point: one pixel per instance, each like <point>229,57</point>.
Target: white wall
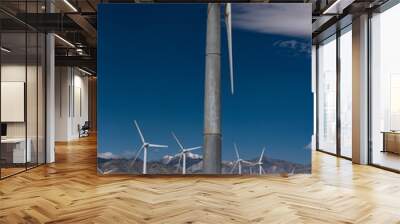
<point>17,73</point>
<point>80,84</point>
<point>71,87</point>
<point>62,81</point>
<point>14,73</point>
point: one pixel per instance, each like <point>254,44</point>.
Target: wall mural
<point>204,89</point>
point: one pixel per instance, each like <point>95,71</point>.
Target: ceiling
<point>75,21</point>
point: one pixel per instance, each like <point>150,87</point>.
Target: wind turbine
<point>292,172</point>
<point>260,163</point>
<point>182,153</point>
<point>145,146</point>
<point>212,96</point>
<point>238,161</point>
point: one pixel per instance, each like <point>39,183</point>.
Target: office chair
<point>84,130</point>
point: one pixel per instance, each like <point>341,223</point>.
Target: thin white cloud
<point>282,19</point>
<point>126,154</point>
<point>294,45</point>
<point>107,155</point>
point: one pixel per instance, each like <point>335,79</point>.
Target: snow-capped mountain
<point>167,159</point>
<point>171,159</point>
<point>193,156</point>
<point>194,165</point>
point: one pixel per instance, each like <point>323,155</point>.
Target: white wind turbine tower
<point>182,153</point>
<point>260,163</point>
<point>145,146</point>
<point>238,161</point>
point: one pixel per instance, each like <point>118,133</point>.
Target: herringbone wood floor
<point>70,191</point>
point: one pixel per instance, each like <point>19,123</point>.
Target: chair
<point>84,129</point>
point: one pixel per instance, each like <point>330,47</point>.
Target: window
<point>346,92</point>
<point>22,88</point>
<point>327,95</point>
<point>385,89</point>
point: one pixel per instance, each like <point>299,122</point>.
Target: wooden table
<point>391,141</point>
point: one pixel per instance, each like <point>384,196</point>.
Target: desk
<point>391,141</point>
<point>13,150</point>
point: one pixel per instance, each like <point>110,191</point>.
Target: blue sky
<point>151,61</point>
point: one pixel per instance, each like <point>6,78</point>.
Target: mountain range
<point>194,163</point>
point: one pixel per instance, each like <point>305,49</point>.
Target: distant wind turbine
<point>239,161</point>
<point>260,163</point>
<point>182,153</point>
<point>292,172</point>
<point>145,146</point>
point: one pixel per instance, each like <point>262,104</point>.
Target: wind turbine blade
<point>228,24</point>
<point>234,166</point>
<point>262,155</point>
<point>191,149</point>
<point>262,168</point>
<point>137,154</point>
<point>177,140</point>
<point>140,133</point>
<point>236,150</point>
<point>158,146</point>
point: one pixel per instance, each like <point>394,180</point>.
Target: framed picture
<point>204,89</point>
